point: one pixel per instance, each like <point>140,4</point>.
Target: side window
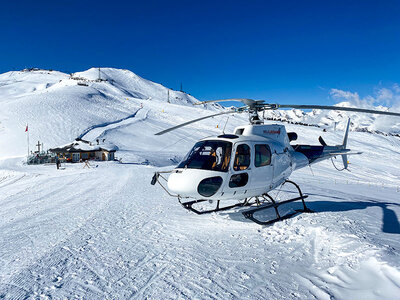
<point>242,157</point>
<point>238,180</point>
<point>262,155</point>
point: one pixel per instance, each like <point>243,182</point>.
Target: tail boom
<point>322,152</point>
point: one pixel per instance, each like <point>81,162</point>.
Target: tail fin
<point>344,145</point>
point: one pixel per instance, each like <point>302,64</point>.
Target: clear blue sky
<point>284,51</point>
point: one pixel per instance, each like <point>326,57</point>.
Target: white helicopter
<point>249,163</point>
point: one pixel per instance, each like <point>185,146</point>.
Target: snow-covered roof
<point>82,145</point>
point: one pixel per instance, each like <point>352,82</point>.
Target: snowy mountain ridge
<point>337,119</point>
<point>59,107</point>
<point>122,84</point>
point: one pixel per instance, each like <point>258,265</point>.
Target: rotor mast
<point>254,107</point>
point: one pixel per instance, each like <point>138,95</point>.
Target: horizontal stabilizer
<point>344,153</point>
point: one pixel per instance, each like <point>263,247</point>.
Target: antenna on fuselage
<point>223,130</point>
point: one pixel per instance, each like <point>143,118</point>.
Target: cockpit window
<point>262,155</point>
<point>242,157</point>
<point>208,155</point>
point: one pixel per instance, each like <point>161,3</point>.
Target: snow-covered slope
<point>106,233</point>
<point>58,107</point>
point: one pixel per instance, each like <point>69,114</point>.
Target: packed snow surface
<point>106,233</point>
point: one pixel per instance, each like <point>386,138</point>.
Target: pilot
<point>242,157</point>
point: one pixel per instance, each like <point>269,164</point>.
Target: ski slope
<point>106,233</point>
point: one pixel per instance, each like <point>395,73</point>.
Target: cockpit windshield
<point>208,155</point>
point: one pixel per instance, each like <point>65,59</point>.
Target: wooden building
<point>81,150</point>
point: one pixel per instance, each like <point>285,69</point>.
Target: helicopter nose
<point>194,183</point>
<point>183,183</point>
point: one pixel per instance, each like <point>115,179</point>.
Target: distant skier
<point>58,162</point>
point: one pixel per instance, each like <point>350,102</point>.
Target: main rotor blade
<point>370,111</point>
<point>248,102</point>
<point>196,120</point>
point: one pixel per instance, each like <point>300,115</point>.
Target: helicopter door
<point>241,164</point>
<point>282,165</point>
<point>263,171</point>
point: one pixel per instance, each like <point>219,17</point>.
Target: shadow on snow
<point>390,222</point>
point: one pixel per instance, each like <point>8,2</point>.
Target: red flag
<point>26,129</point>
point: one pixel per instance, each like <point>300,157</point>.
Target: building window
<point>262,155</point>
<point>242,157</point>
<point>84,155</point>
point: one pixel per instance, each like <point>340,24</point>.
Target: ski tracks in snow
<point>103,234</point>
<point>55,254</point>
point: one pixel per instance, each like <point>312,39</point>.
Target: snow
<point>89,146</point>
<point>105,232</point>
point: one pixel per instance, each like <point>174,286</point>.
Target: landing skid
<point>263,203</point>
<point>249,214</point>
<point>189,206</point>
<point>261,206</point>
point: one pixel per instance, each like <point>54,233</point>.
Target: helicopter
<point>249,163</point>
